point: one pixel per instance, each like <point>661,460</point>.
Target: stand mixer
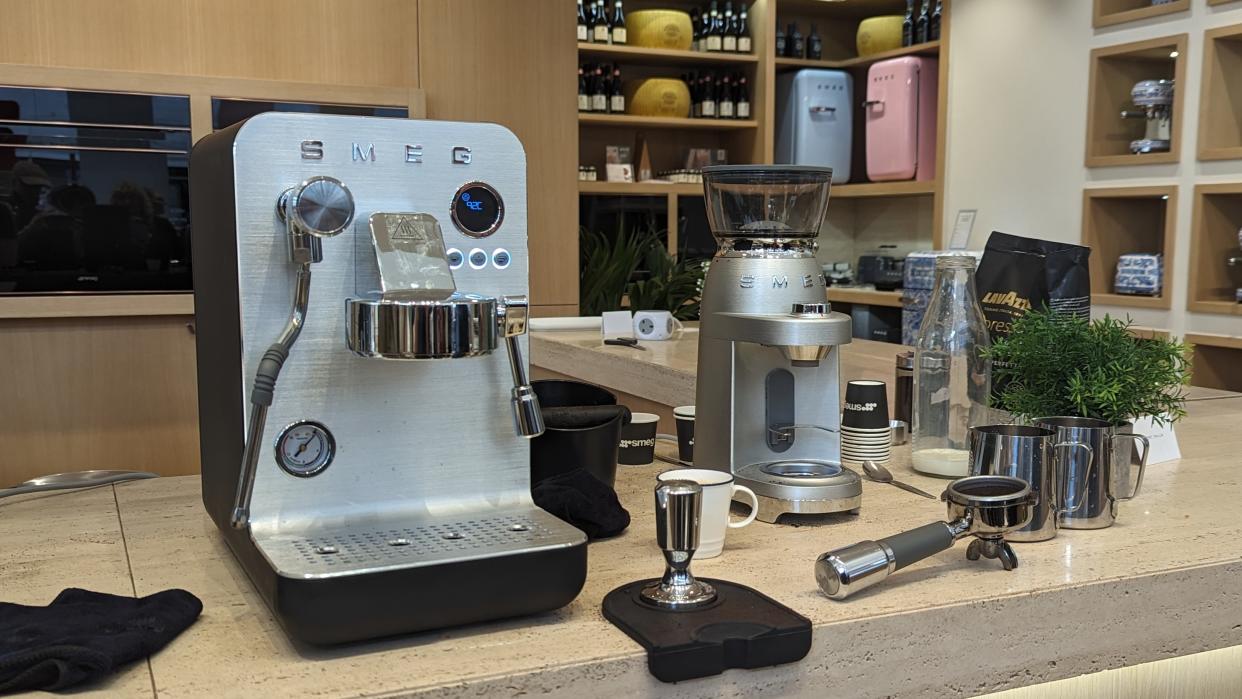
<point>1154,99</point>
<point>768,391</point>
<point>383,486</point>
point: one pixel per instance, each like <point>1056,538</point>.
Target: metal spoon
<point>879,474</point>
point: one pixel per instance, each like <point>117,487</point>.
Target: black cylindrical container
<point>904,387</point>
<point>581,431</point>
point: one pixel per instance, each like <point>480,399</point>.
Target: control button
<point>478,259</point>
<point>501,258</point>
<point>455,258</point>
<point>477,210</point>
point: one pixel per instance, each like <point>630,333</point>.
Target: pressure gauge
<point>305,448</point>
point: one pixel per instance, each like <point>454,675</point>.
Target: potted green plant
<point>633,269</point>
<point>1053,364</point>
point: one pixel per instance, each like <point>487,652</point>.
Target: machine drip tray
<point>801,469</point>
<point>351,550</point>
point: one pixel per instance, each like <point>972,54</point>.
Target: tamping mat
<point>742,628</point>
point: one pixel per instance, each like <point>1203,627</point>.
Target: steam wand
<point>318,208</point>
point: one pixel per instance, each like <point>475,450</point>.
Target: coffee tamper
<point>678,505</point>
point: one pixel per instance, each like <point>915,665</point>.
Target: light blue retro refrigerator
<point>815,119</point>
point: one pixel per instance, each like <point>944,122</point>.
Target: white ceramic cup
<point>718,490</point>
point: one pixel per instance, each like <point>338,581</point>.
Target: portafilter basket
<point>985,507</point>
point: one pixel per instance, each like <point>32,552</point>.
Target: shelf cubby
<point>1213,238</point>
<point>1220,109</point>
<point>1109,12</point>
<point>1116,221</point>
<point>930,48</point>
<point>1217,361</point>
<point>1114,71</point>
<point>837,22</point>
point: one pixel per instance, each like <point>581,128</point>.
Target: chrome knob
<point>321,206</point>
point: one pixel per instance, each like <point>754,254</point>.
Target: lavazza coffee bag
<point>1018,274</point>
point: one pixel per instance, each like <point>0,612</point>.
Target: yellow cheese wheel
<point>664,97</point>
<point>659,29</point>
<point>879,34</point>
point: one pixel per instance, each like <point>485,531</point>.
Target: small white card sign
<point>961,229</point>
<point>1162,439</point>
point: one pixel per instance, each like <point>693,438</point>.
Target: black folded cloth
<point>83,636</point>
<point>584,501</point>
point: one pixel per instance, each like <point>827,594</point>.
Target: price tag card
<point>1162,438</point>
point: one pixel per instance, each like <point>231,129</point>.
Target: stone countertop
<point>1162,582</point>
<point>664,372</point>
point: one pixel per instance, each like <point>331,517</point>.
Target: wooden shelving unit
<point>1217,361</point>
<point>1220,2</point>
<point>1116,221</point>
<point>871,297</point>
<point>1220,105</point>
<point>865,213</point>
<point>1213,238</point>
<point>930,48</point>
<point>589,119</point>
<point>637,55</point>
<point>1114,71</point>
<point>1106,13</point>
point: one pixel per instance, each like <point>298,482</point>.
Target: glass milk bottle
<point>952,377</point>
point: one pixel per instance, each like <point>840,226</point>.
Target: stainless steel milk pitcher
<point>1094,487</point>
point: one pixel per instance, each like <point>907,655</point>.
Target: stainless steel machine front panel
<point>415,439</point>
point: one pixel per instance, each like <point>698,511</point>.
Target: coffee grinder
<point>383,485</point>
<point>768,399</point>
<point>1154,100</point>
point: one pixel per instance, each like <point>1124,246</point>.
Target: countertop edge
<point>1176,603</point>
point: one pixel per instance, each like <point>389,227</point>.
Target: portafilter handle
<point>844,571</point>
<point>512,315</point>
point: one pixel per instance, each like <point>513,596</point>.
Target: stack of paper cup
<point>865,432</point>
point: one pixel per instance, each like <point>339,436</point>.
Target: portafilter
<point>985,507</point>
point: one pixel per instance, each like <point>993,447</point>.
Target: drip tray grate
<point>350,550</point>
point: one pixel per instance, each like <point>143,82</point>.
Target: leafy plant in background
<point>1062,365</point>
<point>610,271</point>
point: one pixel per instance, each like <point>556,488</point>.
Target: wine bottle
<point>618,24</point>
<point>742,100</point>
<point>713,28</point>
<point>696,30</point>
<point>582,22</point>
<point>907,25</point>
<point>709,97</point>
<point>743,32</point>
<point>814,45</point>
<point>599,91</point>
<point>584,100</point>
<point>728,39</point>
<point>692,82</point>
<point>616,97</point>
<point>724,98</point>
<point>782,43</point>
<point>599,23</point>
<point>933,27</point>
<point>796,44</point>
<point>920,25</point>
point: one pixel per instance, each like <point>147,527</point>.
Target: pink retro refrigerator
<point>900,112</point>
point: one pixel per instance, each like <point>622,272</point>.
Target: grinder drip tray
<point>801,486</point>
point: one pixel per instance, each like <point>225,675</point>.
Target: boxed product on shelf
<point>1140,274</point>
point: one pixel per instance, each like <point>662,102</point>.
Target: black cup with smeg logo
<point>866,405</point>
<point>638,440</point>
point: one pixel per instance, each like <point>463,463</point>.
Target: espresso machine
<point>379,268</point>
<point>768,399</point>
<point>1154,102</point>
